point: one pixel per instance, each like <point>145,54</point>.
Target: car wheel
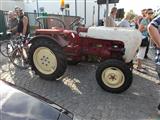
<point>47,59</point>
<point>114,76</point>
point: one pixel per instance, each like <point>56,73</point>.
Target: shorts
<point>141,53</point>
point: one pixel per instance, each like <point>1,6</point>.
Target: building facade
<point>9,5</point>
<point>53,7</point>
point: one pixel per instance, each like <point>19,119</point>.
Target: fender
<point>60,41</point>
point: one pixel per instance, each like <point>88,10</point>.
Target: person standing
<point>136,21</point>
<point>143,29</point>
<point>144,13</point>
<point>12,22</point>
<point>23,23</point>
<point>109,21</point>
<point>154,31</point>
<point>125,21</point>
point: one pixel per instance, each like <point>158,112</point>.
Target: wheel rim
<point>113,77</point>
<point>45,60</point>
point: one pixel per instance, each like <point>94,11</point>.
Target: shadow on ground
<point>79,92</point>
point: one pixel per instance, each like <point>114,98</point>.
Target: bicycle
<point>16,50</point>
<point>19,56</point>
<point>8,45</point>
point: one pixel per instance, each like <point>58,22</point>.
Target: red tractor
<point>112,48</point>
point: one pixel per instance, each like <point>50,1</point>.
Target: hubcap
<point>113,77</point>
<point>45,60</point>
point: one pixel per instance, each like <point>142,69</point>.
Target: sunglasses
<point>150,13</point>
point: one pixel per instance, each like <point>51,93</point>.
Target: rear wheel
<point>47,59</point>
<point>19,58</point>
<point>114,76</point>
<point>6,48</point>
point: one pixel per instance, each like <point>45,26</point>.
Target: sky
<point>138,5</point>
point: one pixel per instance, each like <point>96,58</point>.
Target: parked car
<point>20,104</point>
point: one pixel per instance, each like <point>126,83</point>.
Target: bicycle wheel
<point>6,48</point>
<point>19,58</point>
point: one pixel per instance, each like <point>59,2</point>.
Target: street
<point>79,92</point>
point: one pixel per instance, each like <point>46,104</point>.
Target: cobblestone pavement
<point>79,92</point>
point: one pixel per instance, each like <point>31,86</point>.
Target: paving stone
<point>79,92</point>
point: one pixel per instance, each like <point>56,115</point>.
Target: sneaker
<point>146,57</point>
<point>142,70</point>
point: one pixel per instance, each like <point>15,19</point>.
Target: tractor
<point>56,45</point>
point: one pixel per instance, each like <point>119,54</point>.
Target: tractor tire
<point>114,76</point>
<point>47,59</point>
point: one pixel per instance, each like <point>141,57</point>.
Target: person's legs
<point>139,63</point>
<point>159,109</point>
<point>158,69</point>
<point>159,103</point>
<point>157,60</point>
<point>147,49</point>
<point>140,57</point>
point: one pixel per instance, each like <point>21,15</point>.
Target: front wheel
<point>114,76</point>
<point>47,59</point>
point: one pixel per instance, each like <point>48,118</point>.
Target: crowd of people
<point>149,26</point>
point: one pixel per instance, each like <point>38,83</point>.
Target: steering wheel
<point>76,22</point>
<point>43,19</point>
<point>60,23</point>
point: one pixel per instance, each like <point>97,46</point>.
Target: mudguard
<point>60,41</point>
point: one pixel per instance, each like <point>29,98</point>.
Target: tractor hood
<point>130,37</point>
